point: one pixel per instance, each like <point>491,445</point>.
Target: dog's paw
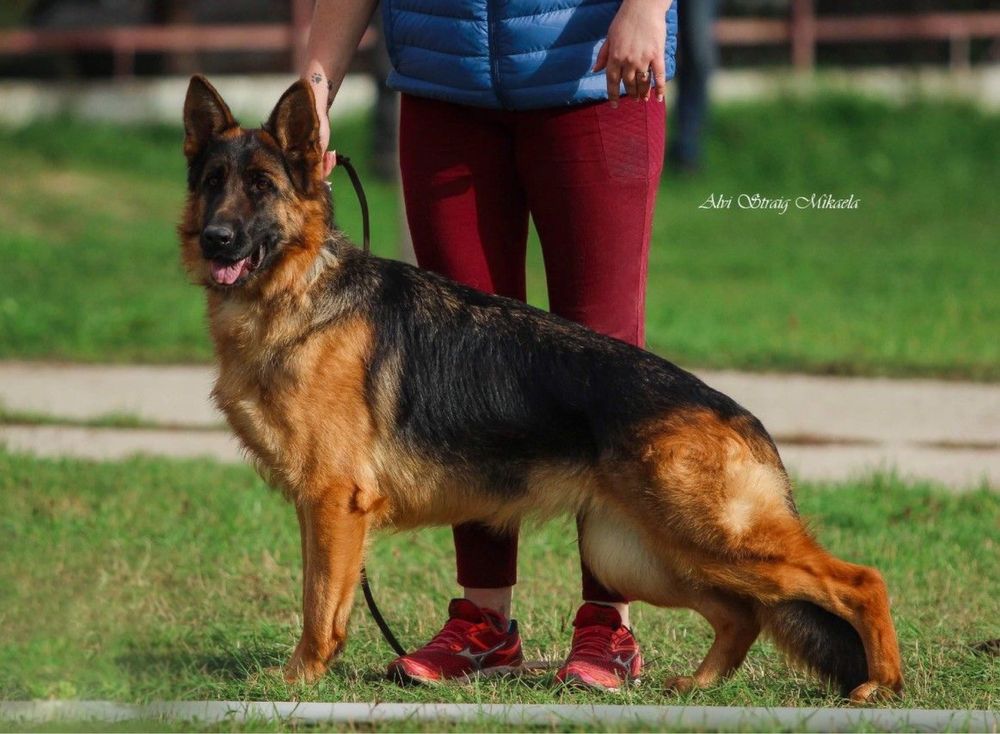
<point>874,692</point>
<point>301,670</point>
<point>680,684</point>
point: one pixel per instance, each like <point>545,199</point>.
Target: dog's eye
<point>213,181</point>
<point>262,183</point>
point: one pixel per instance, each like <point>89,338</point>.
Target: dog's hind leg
<point>831,615</point>
<point>736,627</point>
<point>717,507</point>
<point>334,533</point>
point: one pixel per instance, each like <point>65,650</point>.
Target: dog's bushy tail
<point>819,641</point>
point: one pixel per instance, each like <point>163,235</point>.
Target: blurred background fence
<point>122,38</point>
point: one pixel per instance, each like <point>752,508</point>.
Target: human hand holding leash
<point>322,88</point>
<point>336,29</point>
<point>633,49</point>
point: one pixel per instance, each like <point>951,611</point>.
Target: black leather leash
<point>366,589</point>
<point>383,626</point>
<point>366,230</point>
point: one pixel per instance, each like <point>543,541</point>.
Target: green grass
<point>905,285</point>
<point>155,579</point>
<point>9,417</point>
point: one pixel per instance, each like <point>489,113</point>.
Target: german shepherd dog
<point>374,394</point>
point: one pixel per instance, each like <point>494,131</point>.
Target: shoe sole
<point>575,681</point>
<point>401,677</point>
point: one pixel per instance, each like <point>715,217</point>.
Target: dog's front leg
<point>333,541</point>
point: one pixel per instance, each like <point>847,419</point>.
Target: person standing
<point>698,58</point>
<point>510,109</point>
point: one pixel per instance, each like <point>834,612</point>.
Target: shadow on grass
<point>541,680</point>
<point>183,663</point>
<point>255,668</point>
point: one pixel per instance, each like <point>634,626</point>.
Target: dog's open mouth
<point>229,273</point>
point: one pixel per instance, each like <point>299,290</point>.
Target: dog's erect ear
<point>206,115</point>
<point>295,126</point>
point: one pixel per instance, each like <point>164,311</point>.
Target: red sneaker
<point>605,654</point>
<point>474,641</point>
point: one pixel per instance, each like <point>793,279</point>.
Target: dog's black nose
<point>218,235</point>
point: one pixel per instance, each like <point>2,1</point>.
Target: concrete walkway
<point>679,718</point>
<point>828,428</point>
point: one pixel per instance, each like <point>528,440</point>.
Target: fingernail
<point>659,98</point>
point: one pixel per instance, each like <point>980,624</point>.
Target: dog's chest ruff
<point>296,404</point>
<point>248,405</point>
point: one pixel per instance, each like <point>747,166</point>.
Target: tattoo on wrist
<point>317,78</point>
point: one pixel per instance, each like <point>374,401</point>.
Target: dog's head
<point>255,197</point>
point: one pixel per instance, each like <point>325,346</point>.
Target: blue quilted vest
<point>509,54</point>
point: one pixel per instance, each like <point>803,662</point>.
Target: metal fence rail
<point>124,42</point>
<point>803,30</point>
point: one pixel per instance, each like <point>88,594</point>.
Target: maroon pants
<point>588,176</point>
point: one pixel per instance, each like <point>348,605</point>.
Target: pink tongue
<point>228,273</point>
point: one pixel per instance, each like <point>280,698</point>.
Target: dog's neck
<point>276,312</point>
